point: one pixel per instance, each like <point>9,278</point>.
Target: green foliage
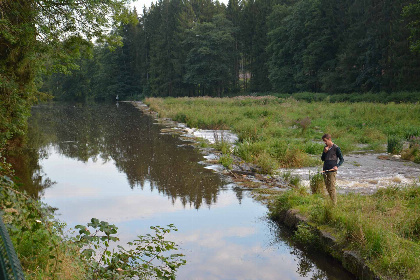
<point>226,160</point>
<point>316,183</point>
<point>147,257</point>
<point>383,227</point>
<point>313,148</point>
<point>267,163</point>
<point>273,133</point>
<point>37,236</point>
<point>412,13</point>
<point>306,236</point>
<point>45,37</point>
<point>413,151</point>
<point>395,144</point>
<point>295,181</point>
<point>195,48</point>
<point>342,48</point>
<point>45,253</point>
<point>210,58</point>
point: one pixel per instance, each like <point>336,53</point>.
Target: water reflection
<point>113,163</point>
<point>121,134</point>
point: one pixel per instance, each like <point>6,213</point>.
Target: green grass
<point>285,132</point>
<point>384,227</point>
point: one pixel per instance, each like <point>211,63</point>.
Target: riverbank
<point>365,244</point>
<point>282,133</point>
<point>284,152</point>
<point>375,236</point>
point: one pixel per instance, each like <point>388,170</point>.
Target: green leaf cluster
<point>147,257</point>
<point>42,37</point>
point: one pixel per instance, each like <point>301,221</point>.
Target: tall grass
<point>287,130</point>
<point>384,227</point>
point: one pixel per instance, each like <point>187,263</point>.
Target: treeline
<point>201,47</point>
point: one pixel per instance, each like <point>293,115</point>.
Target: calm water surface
<point>111,162</point>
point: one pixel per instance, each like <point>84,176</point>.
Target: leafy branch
<point>147,257</point>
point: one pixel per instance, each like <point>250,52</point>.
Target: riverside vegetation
<point>277,132</point>
<point>385,227</point>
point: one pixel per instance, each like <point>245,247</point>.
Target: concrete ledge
<point>350,260</point>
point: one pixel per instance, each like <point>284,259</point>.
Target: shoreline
<point>267,187</point>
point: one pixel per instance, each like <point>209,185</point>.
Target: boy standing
<point>330,156</point>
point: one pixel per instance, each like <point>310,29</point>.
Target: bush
<point>395,144</point>
<point>413,152</point>
<point>306,236</point>
<point>310,96</point>
<point>147,257</point>
<point>313,148</point>
<point>266,162</point>
<point>226,160</point>
<point>316,183</point>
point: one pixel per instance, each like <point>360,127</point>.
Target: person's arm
<point>340,156</point>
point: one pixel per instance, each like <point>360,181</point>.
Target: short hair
<point>326,136</point>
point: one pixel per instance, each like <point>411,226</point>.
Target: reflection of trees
<point>131,139</point>
<point>25,161</point>
<point>311,262</point>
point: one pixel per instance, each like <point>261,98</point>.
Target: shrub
<point>146,257</point>
<point>395,144</point>
<point>413,152</point>
<point>306,236</point>
<point>310,96</point>
<point>313,148</point>
<point>266,162</point>
<point>226,160</point>
<point>295,181</point>
<point>316,183</point>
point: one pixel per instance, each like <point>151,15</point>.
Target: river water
<point>113,163</point>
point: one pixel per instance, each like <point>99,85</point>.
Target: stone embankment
<point>350,260</point>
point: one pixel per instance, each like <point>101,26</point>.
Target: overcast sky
<point>140,3</point>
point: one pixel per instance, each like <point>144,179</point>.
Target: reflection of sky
<point>228,240</point>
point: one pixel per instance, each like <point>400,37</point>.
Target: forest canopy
<point>202,47</point>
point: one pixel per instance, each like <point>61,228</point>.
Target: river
<point>113,163</point>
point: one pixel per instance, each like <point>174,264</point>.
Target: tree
<point>45,35</point>
<point>412,13</point>
<point>209,64</point>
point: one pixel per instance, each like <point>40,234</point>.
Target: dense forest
<point>202,47</point>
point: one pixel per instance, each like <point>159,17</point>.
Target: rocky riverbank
<point>362,172</point>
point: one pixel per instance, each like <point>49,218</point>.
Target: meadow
<point>284,132</point>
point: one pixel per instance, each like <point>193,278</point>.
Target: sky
<point>140,3</point>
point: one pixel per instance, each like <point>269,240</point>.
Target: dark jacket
<point>331,157</point>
